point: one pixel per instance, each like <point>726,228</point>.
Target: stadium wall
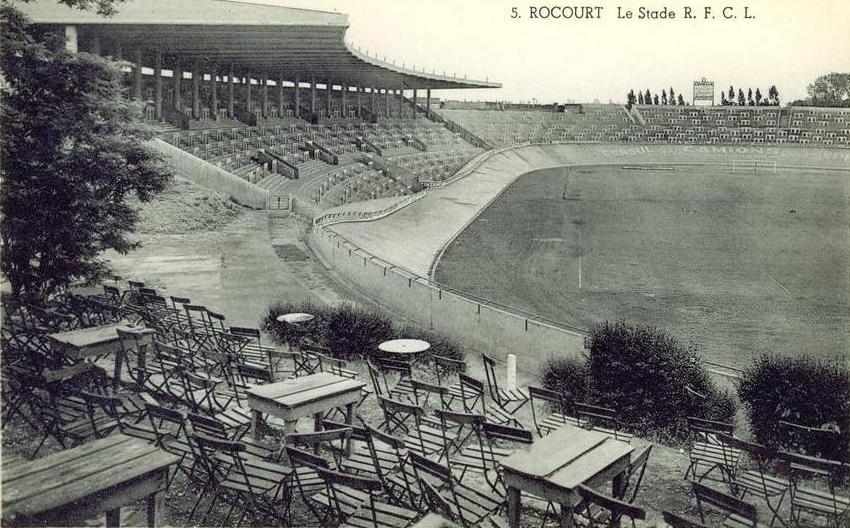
<point>208,175</point>
<point>475,323</point>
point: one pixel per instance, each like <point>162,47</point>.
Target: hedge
<point>350,332</point>
<point>644,375</point>
<point>802,390</point>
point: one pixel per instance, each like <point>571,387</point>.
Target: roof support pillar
<point>249,103</point>
<point>265,96</point>
<point>280,97</point>
<point>414,103</point>
<point>157,85</point>
<point>359,92</point>
<point>372,103</point>
<point>330,89</point>
<point>344,107</point>
<point>231,87</point>
<point>387,97</point>
<point>428,103</point>
<point>177,98</point>
<point>196,91</point>
<point>400,103</point>
<point>214,92</point>
<point>72,41</point>
<point>137,76</point>
<point>297,97</point>
<point>313,95</point>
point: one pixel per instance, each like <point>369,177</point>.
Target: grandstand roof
<point>255,38</point>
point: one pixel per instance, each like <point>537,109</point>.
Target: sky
<point>788,43</point>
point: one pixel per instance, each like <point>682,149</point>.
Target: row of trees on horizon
<point>752,98</point>
<point>647,98</point>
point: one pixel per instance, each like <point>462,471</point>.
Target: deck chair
<point>251,485</point>
<point>371,512</point>
<point>822,501</point>
<point>509,400</point>
<point>737,513</point>
<point>707,453</point>
<point>466,505</point>
<point>549,410</point>
<point>758,479</point>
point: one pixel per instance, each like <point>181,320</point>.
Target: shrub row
<point>801,390</point>
<point>350,332</point>
<point>644,375</point>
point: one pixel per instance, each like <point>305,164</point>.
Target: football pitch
<point>736,264</point>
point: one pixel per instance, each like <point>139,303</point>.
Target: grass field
<point>734,263</point>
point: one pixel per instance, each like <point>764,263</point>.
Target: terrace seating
<point>509,400</point>
<point>813,501</point>
<point>738,513</point>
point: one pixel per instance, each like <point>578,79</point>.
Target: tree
<point>102,7</point>
<point>630,99</point>
<point>773,95</point>
<point>750,97</point>
<point>731,95</point>
<point>832,89</point>
<point>664,97</point>
<point>72,153</point>
<point>672,96</point>
<point>741,100</point>
<point>640,98</point>
<point>655,99</point>
<point>758,97</point>
<point>647,97</point>
<point>681,100</point>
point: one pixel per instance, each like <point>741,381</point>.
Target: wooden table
<point>95,341</point>
<point>65,488</point>
<point>305,396</point>
<point>567,457</point>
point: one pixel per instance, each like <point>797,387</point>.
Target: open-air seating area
<point>289,434</point>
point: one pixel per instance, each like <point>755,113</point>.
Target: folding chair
<point>602,510</point>
<point>251,485</point>
<point>557,407</point>
<point>822,502</point>
<point>408,418</point>
<point>737,513</point>
<point>216,428</point>
<point>446,369</point>
<point>466,505</point>
<point>814,441</point>
<point>170,434</point>
<point>311,487</point>
<point>473,393</point>
<point>485,455</point>
<point>121,416</point>
<point>707,452</point>
<point>370,512</point>
<point>677,521</point>
<point>602,419</point>
<point>323,442</point>
<point>635,473</point>
<point>758,481</point>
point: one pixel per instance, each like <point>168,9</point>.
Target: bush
<point>801,390</point>
<point>567,376</point>
<point>644,375</point>
<point>350,332</point>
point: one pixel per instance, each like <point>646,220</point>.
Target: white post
<point>511,377</point>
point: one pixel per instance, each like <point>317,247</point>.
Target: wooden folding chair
<point>419,437</point>
<point>707,453</point>
<point>758,480</point>
<point>737,513</point>
<point>815,441</point>
<point>465,504</point>
<point>821,501</point>
<point>371,512</point>
<point>447,370</point>
<point>473,394</point>
<point>549,410</point>
<point>485,455</point>
<point>602,510</point>
<point>602,419</point>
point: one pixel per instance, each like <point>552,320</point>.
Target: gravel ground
<point>184,207</point>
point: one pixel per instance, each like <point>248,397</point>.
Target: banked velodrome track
<point>409,242</point>
<point>415,236</point>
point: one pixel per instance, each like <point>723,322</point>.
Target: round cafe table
<point>404,349</point>
<point>297,320</point>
